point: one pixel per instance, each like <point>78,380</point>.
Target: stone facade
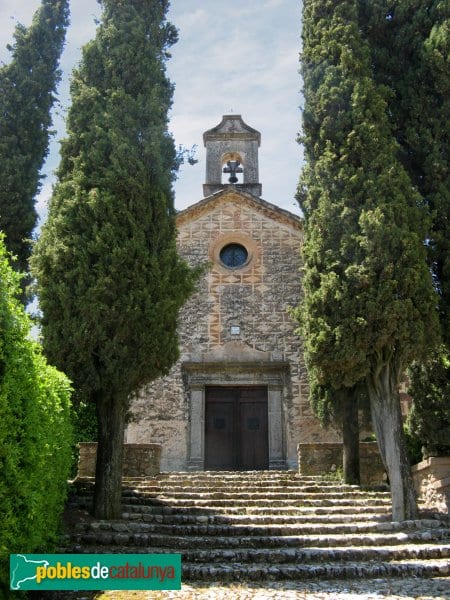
<point>236,330</point>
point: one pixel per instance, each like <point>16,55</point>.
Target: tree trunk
<point>388,425</point>
<point>350,437</point>
<point>108,472</point>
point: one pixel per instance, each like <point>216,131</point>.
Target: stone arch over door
<point>199,375</point>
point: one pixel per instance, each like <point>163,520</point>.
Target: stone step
<point>249,489</point>
<point>147,515</point>
<point>145,506</point>
<point>244,558</point>
<point>242,496</point>
<point>318,554</point>
<point>231,480</point>
<point>227,572</point>
<point>256,542</point>
<point>259,475</point>
<point>225,478</point>
<point>257,485</point>
<point>261,491</point>
<point>246,503</point>
<point>265,525</point>
<point>347,510</point>
<point>426,527</point>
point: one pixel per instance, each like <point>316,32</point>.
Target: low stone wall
<point>139,460</point>
<point>432,482</point>
<point>319,459</point>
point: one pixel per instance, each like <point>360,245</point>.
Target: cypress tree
<point>410,53</point>
<point>27,94</point>
<point>369,302</point>
<point>410,49</point>
<point>110,279</point>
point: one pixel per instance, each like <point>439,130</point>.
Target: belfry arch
<point>233,167</point>
<point>227,142</point>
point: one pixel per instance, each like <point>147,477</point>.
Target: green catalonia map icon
<point>23,569</point>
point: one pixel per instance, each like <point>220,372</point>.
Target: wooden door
<point>236,432</point>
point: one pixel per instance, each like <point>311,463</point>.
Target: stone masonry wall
<point>432,482</point>
<point>323,458</point>
<point>139,460</point>
<point>255,298</point>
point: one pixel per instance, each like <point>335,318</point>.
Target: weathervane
<point>233,168</point>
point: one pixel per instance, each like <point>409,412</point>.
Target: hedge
<point>35,433</point>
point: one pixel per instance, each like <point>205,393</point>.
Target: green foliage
<point>410,53</point>
<point>368,294</point>
<point>35,431</point>
<point>111,282</point>
<point>413,447</point>
<point>328,403</point>
<point>369,302</point>
<point>27,87</point>
<point>429,420</point>
<point>84,420</point>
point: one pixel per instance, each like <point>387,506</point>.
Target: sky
<point>239,58</point>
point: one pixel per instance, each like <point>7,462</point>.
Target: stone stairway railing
<point>267,525</point>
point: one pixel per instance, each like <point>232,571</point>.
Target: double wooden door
<point>236,434</point>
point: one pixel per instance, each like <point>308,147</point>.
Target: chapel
<point>237,398</point>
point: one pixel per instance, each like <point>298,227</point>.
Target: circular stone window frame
<point>233,238</point>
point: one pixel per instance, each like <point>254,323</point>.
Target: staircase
<point>268,525</point>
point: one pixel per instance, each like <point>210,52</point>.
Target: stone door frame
<point>197,376</point>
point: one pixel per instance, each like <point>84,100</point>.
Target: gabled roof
<point>239,196</point>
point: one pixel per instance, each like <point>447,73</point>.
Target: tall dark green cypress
<point>410,52</point>
<point>368,309</point>
<point>110,279</point>
<point>27,93</point>
<point>410,49</point>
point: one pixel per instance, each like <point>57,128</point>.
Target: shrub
<point>35,431</point>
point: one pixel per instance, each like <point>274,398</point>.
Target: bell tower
<point>232,156</point>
